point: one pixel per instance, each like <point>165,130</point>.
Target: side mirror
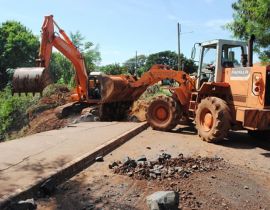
<point>193,52</point>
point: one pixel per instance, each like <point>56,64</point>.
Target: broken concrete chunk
<point>114,164</point>
<point>129,162</point>
<point>142,158</point>
<point>164,156</point>
<point>163,200</point>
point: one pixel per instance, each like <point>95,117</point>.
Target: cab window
<point>231,56</point>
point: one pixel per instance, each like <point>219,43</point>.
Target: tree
<point>18,48</point>
<point>90,52</point>
<point>113,69</point>
<point>171,59</point>
<point>62,69</point>
<point>132,65</point>
<point>252,17</point>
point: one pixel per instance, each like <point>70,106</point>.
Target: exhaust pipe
<point>250,50</point>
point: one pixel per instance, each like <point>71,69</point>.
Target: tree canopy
<point>171,59</point>
<point>131,64</point>
<point>252,17</point>
<point>144,63</point>
<point>62,69</point>
<point>113,69</point>
<point>18,48</point>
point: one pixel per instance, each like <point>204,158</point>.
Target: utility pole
<point>179,32</point>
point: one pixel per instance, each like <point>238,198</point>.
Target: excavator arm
<point>36,79</point>
<point>160,72</point>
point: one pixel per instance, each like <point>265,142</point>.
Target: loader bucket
<point>118,89</point>
<point>30,80</point>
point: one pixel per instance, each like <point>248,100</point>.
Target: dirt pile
<point>165,167</point>
<point>54,95</point>
<point>138,110</point>
<point>42,116</point>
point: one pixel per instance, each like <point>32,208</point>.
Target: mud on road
<point>240,181</point>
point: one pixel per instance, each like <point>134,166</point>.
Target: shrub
<point>13,114</point>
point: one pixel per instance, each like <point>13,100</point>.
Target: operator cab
<point>94,91</point>
<point>216,55</point>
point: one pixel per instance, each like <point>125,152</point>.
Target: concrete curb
<point>72,168</point>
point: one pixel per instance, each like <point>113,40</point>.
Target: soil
<point>139,110</point>
<point>238,179</point>
<point>42,115</point>
<point>229,187</point>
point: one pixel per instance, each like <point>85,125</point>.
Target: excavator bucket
<point>118,89</point>
<point>30,80</point>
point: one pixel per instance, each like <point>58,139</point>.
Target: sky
<point>122,27</point>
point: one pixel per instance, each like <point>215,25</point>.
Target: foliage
<point>171,59</point>
<point>132,65</point>
<point>61,68</point>
<point>13,111</point>
<point>144,63</point>
<point>113,69</point>
<point>90,52</point>
<point>252,17</point>
<point>18,48</point>
<point>153,91</point>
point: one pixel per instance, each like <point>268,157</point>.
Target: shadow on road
<point>240,140</point>
<point>235,139</point>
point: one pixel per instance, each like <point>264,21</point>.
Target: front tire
<point>163,113</point>
<point>213,119</point>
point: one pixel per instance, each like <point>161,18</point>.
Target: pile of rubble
<point>165,167</point>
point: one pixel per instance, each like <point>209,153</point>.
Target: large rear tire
<point>213,119</point>
<point>163,113</point>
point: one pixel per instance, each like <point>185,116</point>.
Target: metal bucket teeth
<point>30,80</point>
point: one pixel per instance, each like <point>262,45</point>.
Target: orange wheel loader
<point>228,92</point>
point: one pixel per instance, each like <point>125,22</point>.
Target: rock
<point>48,187</point>
<point>129,162</point>
<point>163,200</point>
<point>94,112</point>
<point>178,169</point>
<point>99,159</point>
<point>195,167</point>
<point>28,204</point>
<point>114,164</point>
<point>133,118</point>
<point>164,156</point>
<point>126,160</point>
<point>142,158</point>
<point>246,187</point>
<point>130,173</point>
<point>148,147</point>
<point>157,172</point>
<point>153,175</point>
